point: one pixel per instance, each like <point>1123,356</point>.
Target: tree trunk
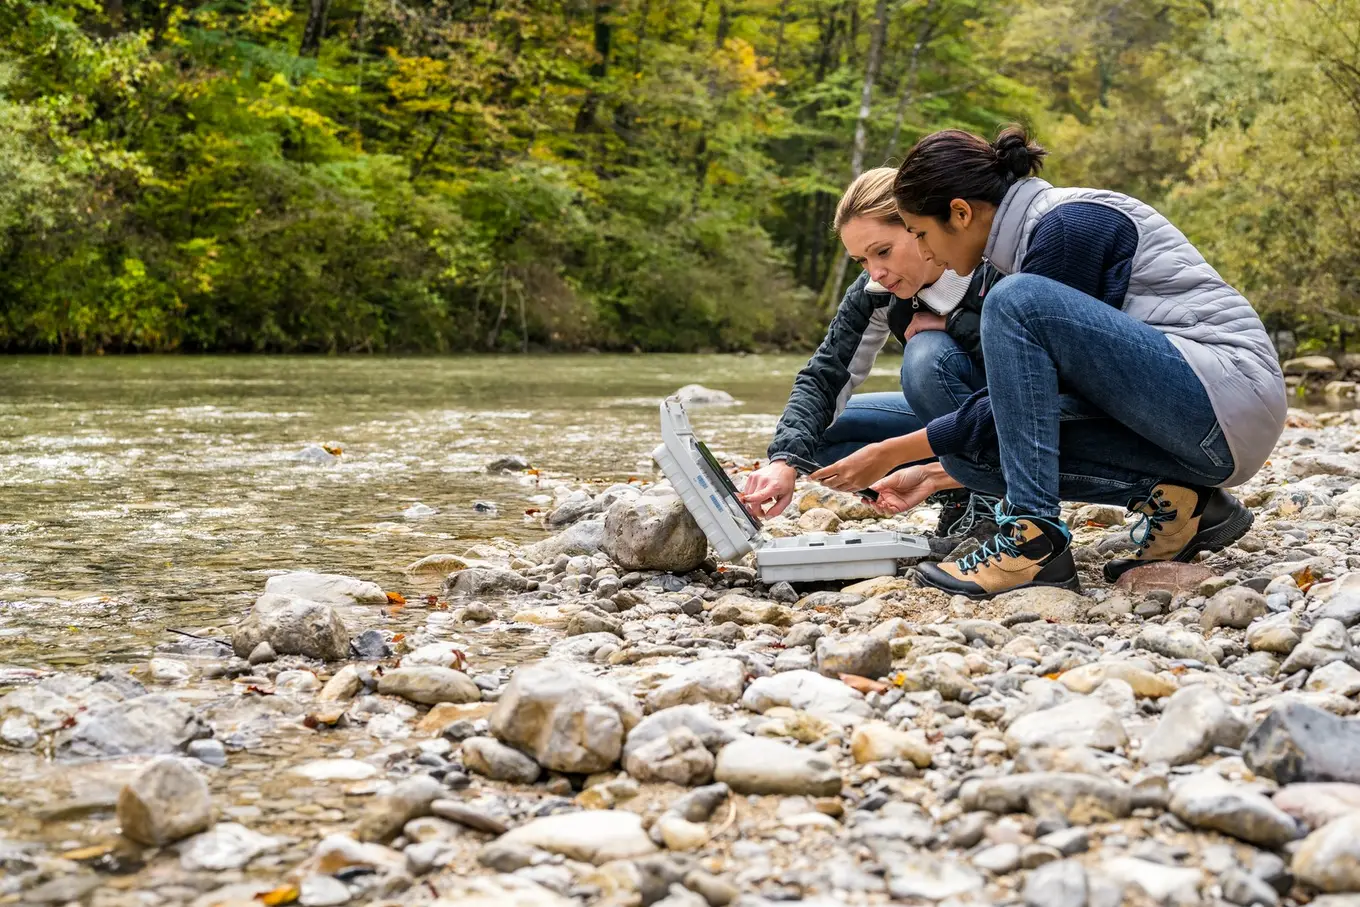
<point>315,29</point>
<point>585,117</point>
<point>724,26</point>
<point>866,97</point>
<point>641,35</point>
<point>779,35</point>
<point>113,12</point>
<point>923,36</point>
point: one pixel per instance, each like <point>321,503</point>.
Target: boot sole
<point>1073,585</point>
<point>1215,538</point>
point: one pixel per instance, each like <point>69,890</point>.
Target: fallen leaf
<point>284,894</point>
<point>396,599</point>
<point>333,451</point>
<point>1053,676</point>
<point>1305,579</point>
<point>398,637</point>
<point>863,684</point>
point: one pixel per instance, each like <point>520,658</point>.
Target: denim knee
<point>921,357</point>
<point>1012,297</point>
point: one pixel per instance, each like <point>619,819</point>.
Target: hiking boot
<point>1025,551</point>
<point>1178,522</point>
<point>965,516</point>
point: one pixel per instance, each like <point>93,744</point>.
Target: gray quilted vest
<point>1173,288</point>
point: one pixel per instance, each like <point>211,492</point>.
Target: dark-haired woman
<point>1121,368</point>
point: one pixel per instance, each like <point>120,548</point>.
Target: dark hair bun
<point>1016,155</point>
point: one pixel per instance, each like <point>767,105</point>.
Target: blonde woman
<point>936,315</point>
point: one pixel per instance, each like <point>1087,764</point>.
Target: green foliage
<point>655,174</point>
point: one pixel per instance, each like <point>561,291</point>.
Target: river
<point>142,494</point>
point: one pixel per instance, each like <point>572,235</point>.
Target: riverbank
<point>690,740</point>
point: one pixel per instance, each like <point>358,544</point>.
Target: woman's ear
<point>960,213</point>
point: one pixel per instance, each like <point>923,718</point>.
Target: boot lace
<point>1001,545</point>
<point>1154,513</point>
<point>980,507</point>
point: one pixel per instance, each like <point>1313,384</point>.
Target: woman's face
<point>890,254</point>
<point>958,243</point>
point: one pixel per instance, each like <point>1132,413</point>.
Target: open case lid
<point>704,486</point>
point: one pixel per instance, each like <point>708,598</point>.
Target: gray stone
<point>1205,800</point>
<point>1048,602</point>
<point>471,814</point>
<point>577,506</point>
<point>582,648</point>
<point>488,756</point>
<point>1068,841</point>
<point>1241,888</point>
<point>1175,644</point>
<point>593,621</point>
<point>1058,884</point>
<point>756,765</point>
<point>322,891</point>
<point>680,757</point>
<point>698,395</point>
<point>865,656</point>
<point>1277,634</point>
<point>1297,742</point>
<point>1325,643</point>
<point>930,878</point>
<point>1235,607</point>
<point>485,581</point>
<point>1329,858</point>
<point>1193,722</point>
<point>262,654</point>
<point>653,532</point>
<point>999,859</point>
<point>293,626</point>
<point>693,718</point>
<point>1337,677</point>
<point>326,589</point>
<point>584,537</point>
<point>1167,885</point>
<point>1076,798</point>
<point>429,685</point>
<point>386,814</point>
<point>1317,804</point>
<point>699,804</point>
<point>717,680</point>
<point>804,634</point>
<point>568,721</point>
<point>1343,605</point>
<point>145,726</point>
<point>596,836</point>
<point>165,802</point>
<point>1081,721</point>
<point>806,691</point>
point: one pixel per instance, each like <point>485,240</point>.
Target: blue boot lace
<point>1002,545</point>
<point>1153,514</point>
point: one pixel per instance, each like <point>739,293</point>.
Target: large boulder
<point>566,720</point>
<point>653,532</point>
<point>327,588</point>
<point>1297,743</point>
<point>293,626</point>
<point>584,537</point>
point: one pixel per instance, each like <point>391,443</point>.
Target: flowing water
<point>140,494</point>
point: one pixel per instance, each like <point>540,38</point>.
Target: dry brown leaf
<point>396,599</point>
<point>88,853</point>
<point>1305,579</point>
<point>333,451</point>
<point>284,894</point>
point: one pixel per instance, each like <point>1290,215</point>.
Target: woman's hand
<point>770,484</point>
<point>923,321</point>
<point>908,487</point>
<point>859,470</point>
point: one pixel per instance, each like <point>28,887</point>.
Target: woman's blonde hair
<point>870,195</point>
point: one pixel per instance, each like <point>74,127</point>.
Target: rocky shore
<point>609,717</point>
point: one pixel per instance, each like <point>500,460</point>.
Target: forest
<point>505,175</point>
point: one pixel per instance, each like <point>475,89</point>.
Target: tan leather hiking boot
<point>1026,551</point>
<point>1178,522</point>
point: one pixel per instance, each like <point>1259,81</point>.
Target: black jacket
<point>842,361</point>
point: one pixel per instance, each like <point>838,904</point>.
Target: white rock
<point>225,846</point>
<point>568,721</point>
<point>1205,800</point>
<point>922,875</point>
<point>165,802</point>
<point>1082,721</point>
<point>322,891</point>
<point>1168,885</point>
<point>438,654</point>
<point>1193,722</point>
<point>1336,677</point>
<point>596,836</point>
<point>336,770</point>
<point>757,765</point>
<point>293,626</point>
<point>1329,858</point>
<point>327,588</point>
<point>698,395</point>
<point>719,680</point>
<point>169,670</point>
<point>807,691</point>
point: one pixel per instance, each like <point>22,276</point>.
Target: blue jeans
<point>937,376</point>
<point>1090,404</point>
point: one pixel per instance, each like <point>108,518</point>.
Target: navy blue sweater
<point>1085,245</point>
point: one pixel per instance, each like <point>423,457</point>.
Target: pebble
<point>806,691</point>
<point>1329,858</point>
<point>1083,721</point>
<point>429,685</point>
<point>1193,722</point>
<point>322,891</point>
<point>292,626</point>
<point>165,802</point>
<point>1075,798</point>
<point>386,814</point>
<point>1235,607</point>
<point>489,757</point>
<point>679,757</point>
<point>1325,643</point>
<point>1298,742</point>
<point>225,846</point>
<point>864,656</point>
<point>1058,884</point>
<point>594,836</point>
<point>1206,800</point>
<point>1175,644</point>
<point>717,680</point>
<point>877,741</point>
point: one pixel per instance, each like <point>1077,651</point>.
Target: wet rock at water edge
<point>293,626</point>
<point>387,813</point>
<point>165,802</point>
<point>653,532</point>
<point>584,537</point>
<point>225,846</point>
<point>429,685</point>
<point>485,581</point>
<point>756,765</point>
<point>698,395</point>
<point>146,726</point>
<point>568,721</point>
<point>326,588</point>
<point>1298,742</point>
